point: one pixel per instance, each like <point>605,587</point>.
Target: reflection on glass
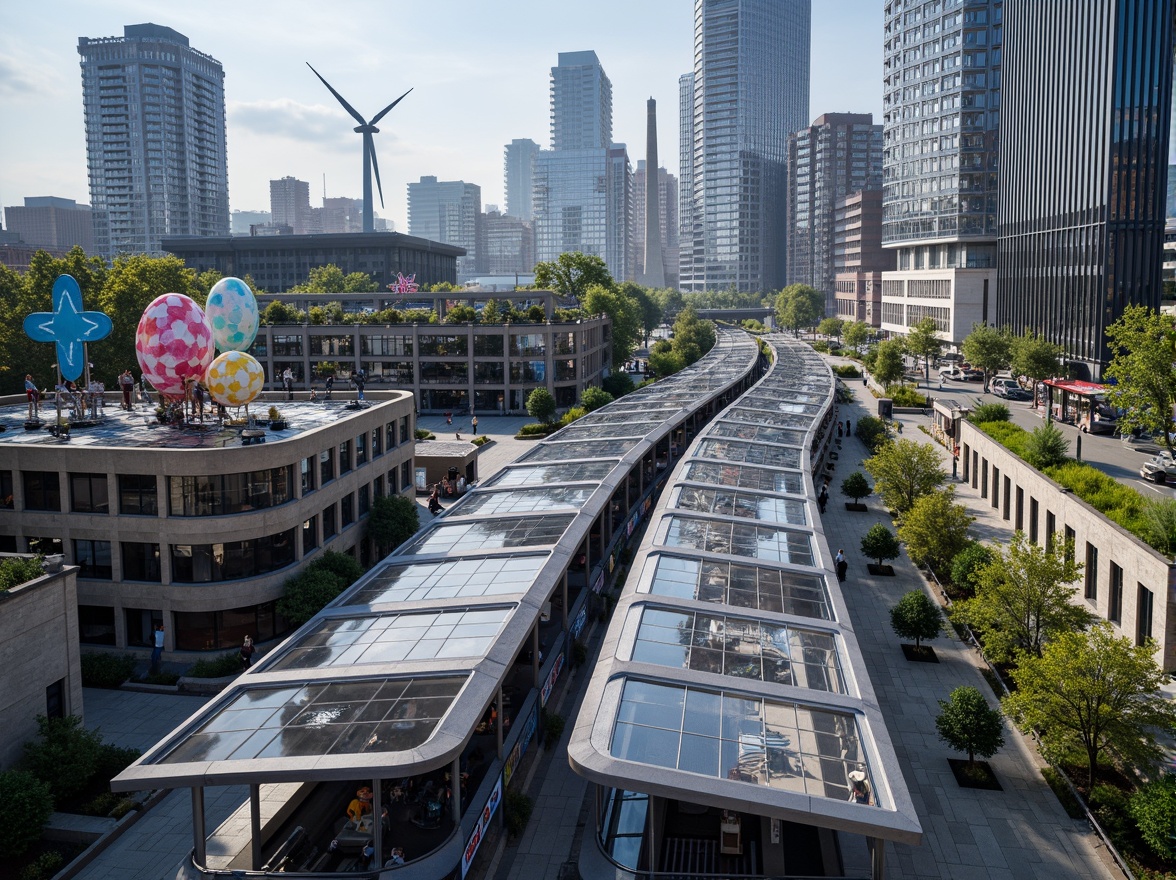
<point>745,477</point>
<point>552,498</point>
<point>465,578</point>
<point>739,539</point>
<point>490,535</point>
<point>742,586</point>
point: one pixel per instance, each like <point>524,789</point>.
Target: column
<point>255,824</point>
<point>198,853</point>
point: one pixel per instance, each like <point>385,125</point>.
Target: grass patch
<point>106,670</point>
<point>217,667</point>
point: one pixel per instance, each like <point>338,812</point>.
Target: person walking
<point>330,385</point>
<point>848,432</point>
<point>841,565</point>
<point>34,397</point>
<point>246,652</point>
<point>288,383</point>
<point>157,649</point>
<point>126,384</point>
<point>823,498</point>
<point>360,379</point>
<point>474,424</point>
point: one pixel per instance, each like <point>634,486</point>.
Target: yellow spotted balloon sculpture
<point>235,378</point>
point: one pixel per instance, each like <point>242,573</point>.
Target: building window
<point>326,466</point>
<point>1069,546</point>
<point>231,560</point>
<point>221,494</point>
<point>329,526</point>
<point>137,495</point>
<point>405,474</point>
<point>347,510</point>
<point>306,466</point>
<point>1032,520</point>
<point>392,441</point>
<point>55,699</point>
<point>377,446</point>
<point>378,487</point>
<point>405,434</point>
<point>212,630</point>
<point>44,546</point>
<point>1091,572</point>
<point>41,490</point>
<point>93,558</point>
<point>287,346</point>
<point>88,493</point>
<point>141,624</point>
<point>392,481</point>
<point>95,625</point>
<point>140,562</point>
<point>309,535</point>
<point>361,455</point>
<point>365,500</point>
<point>1143,614</point>
<point>6,490</point>
<point>1115,600</point>
<point>344,457</point>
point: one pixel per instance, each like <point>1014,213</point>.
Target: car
<point>1159,468</point>
<point>1016,394</point>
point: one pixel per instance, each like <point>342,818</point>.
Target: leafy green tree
<point>935,529</point>
<point>693,337</point>
<point>1037,358</point>
<point>922,341</point>
<point>888,366</point>
<point>967,723</point>
<point>873,432</point>
<point>461,315</point>
<point>594,398</point>
<point>799,305</point>
<point>341,565</point>
<point>327,313</point>
<point>652,313</point>
<point>879,543</point>
<point>1093,691</point>
<point>25,806</point>
<point>989,412</point>
<point>988,349</point>
<point>1046,447</point>
<point>17,570</point>
<point>663,360</point>
<point>278,312</point>
<point>966,567</point>
<point>671,302</point>
<point>618,384</point>
<point>1023,598</point>
<point>307,594</point>
<point>65,756</point>
<point>331,279</point>
<point>855,486</point>
<point>831,327</point>
<point>572,274</point>
<point>492,312</point>
<point>1157,523</point>
<point>623,311</point>
<point>541,405</point>
<point>856,333</point>
<point>916,616</point>
<point>393,520</point>
<point>1153,807</point>
<point>904,471</point>
<point>1143,370</point>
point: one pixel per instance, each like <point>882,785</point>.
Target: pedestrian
<point>34,397</point>
<point>157,650</point>
<point>840,433</point>
<point>474,424</point>
<point>126,384</point>
<point>198,400</point>
<point>330,385</point>
<point>848,432</point>
<point>246,653</point>
<point>313,394</point>
<point>859,788</point>
<point>841,565</point>
<point>823,498</point>
<point>360,380</point>
<point>448,418</point>
<point>435,501</point>
<point>288,383</point>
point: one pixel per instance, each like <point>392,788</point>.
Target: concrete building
<point>155,139</point>
<point>839,154</point>
<point>189,527</point>
<point>510,244</point>
<point>48,221</point>
<point>41,655</point>
<point>518,161</point>
<point>18,256</point>
<point>342,215</point>
<point>449,211</point>
<point>667,185</point>
<point>618,251</point>
<point>1084,161</point>
<point>290,204</point>
<point>859,258</point>
<point>241,222</point>
<point>277,263</point>
<point>941,96</point>
<point>750,92</point>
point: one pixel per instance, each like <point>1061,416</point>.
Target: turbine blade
<point>382,113</point>
<point>338,97</point>
<point>371,144</point>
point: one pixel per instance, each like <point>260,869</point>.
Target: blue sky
<point>479,72</point>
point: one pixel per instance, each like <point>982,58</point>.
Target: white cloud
<point>330,127</point>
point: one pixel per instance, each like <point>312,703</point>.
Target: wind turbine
<point>367,129</point>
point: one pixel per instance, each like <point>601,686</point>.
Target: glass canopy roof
<point>526,500</point>
<point>549,474</point>
<point>449,579</point>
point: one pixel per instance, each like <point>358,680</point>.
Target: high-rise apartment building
<point>583,184</point>
<point>839,154</point>
<point>48,221</point>
<point>290,204</point>
<point>510,245</point>
<point>668,221</point>
<point>449,211</point>
<point>941,89</point>
<point>1085,110</point>
<point>155,139</point>
<point>519,170</point>
<point>750,92</point>
<point>859,258</point>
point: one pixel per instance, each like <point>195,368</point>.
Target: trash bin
<point>885,409</point>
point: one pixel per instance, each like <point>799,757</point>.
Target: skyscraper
<point>653,270</point>
<point>667,185</point>
<point>449,211</point>
<point>519,169</point>
<point>750,92</point>
<point>839,154</point>
<point>155,139</point>
<point>1085,111</point>
<point>290,204</point>
<point>941,89</point>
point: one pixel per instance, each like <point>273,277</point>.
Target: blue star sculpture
<point>68,326</point>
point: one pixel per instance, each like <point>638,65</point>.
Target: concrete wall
<point>38,646</point>
<point>1014,488</point>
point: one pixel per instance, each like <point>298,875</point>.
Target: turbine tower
<point>367,129</point>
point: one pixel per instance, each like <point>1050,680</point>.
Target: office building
<point>240,222</point>
<point>155,139</point>
<point>341,215</point>
<point>47,221</point>
<point>518,163</point>
<point>290,204</point>
<point>668,222</point>
<point>618,223</point>
<point>510,244</point>
<point>750,92</point>
<point>839,154</point>
<point>448,211</point>
<point>1084,126</point>
<point>859,258</point>
<point>941,86</point>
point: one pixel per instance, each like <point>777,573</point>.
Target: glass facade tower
<point>1085,132</point>
<point>155,139</point>
<point>519,168</point>
<point>750,92</point>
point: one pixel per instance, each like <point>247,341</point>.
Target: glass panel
<point>452,578</point>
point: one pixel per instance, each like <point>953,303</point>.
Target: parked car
<point>1016,394</point>
<point>1159,468</point>
<point>960,374</point>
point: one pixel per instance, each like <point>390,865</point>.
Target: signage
<point>475,841</point>
<point>520,748</point>
<point>598,584</point>
<point>578,623</point>
<point>556,669</point>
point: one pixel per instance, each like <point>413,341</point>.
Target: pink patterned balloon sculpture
<point>173,343</point>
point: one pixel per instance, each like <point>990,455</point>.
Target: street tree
<point>888,366</point>
<point>935,529</point>
<point>623,311</point>
<point>594,398</point>
<point>541,405</point>
<point>1037,358</point>
<point>922,341</point>
<point>855,486</point>
<point>693,337</point>
<point>663,360</point>
<point>331,279</point>
<point>855,334</point>
<point>649,310</point>
<point>799,305</point>
<point>966,567</point>
<point>988,349</point>
<point>904,471</point>
<point>831,327</point>
<point>571,274</point>
<point>671,301</point>
<point>916,616</point>
<point>1143,369</point>
<point>967,723</point>
<point>1023,599</point>
<point>879,543</point>
<point>1093,691</point>
<point>278,312</point>
<point>392,521</point>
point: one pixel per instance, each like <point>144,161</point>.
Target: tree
<point>831,327</point>
<point>594,398</point>
<point>888,367</point>
<point>1153,807</point>
<point>461,315</point>
<point>966,567</point>
<point>988,349</point>
<point>855,486</point>
<point>967,723</point>
<point>1023,599</point>
<point>623,311</point>
<point>879,543</point>
<point>307,594</point>
<point>916,616</point>
<point>25,805</point>
<point>617,384</point>
<point>326,313</point>
<point>492,312</point>
<point>922,340</point>
<point>340,565</point>
<point>1046,447</point>
<point>393,520</point>
<point>1157,524</point>
<point>572,274</point>
<point>1142,368</point>
<point>799,305</point>
<point>541,405</point>
<point>650,313</point>
<point>935,529</point>
<point>1035,357</point>
<point>903,471</point>
<point>856,333</point>
<point>1092,691</point>
<point>278,312</point>
<point>330,279</point>
<point>670,301</point>
<point>872,431</point>
<point>989,412</point>
<point>693,337</point>
<point>663,360</point>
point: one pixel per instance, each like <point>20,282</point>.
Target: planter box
<point>207,686</point>
<point>922,654</point>
<point>856,507</point>
<point>977,775</point>
<point>880,570</point>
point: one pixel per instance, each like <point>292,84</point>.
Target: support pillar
<point>498,724</point>
<point>455,788</point>
<point>534,657</point>
<point>255,823</point>
<point>378,821</point>
<point>564,588</point>
<point>877,858</point>
<point>199,854</point>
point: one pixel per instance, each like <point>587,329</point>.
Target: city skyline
<point>280,123</point>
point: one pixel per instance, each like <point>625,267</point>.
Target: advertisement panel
<point>520,747</point>
<point>479,832</point>
<point>556,669</point>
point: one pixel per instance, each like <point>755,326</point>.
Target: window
<point>88,493</point>
<point>44,546</point>
<point>231,560</point>
<point>307,475</point>
<point>95,625</point>
<point>210,630</point>
<point>1069,545</point>
<point>377,447</point>
<point>361,456</point>
<point>405,434</point>
<point>378,487</point>
<point>392,481</point>
<point>5,490</point>
<point>392,441</point>
<point>329,526</point>
<point>221,494</point>
<point>347,509</point>
<point>1091,572</point>
<point>137,495</point>
<point>55,699</point>
<point>140,562</point>
<point>326,466</point>
<point>365,500</point>
<point>141,623</point>
<point>1143,614</point>
<point>309,535</point>
<point>1115,601</point>
<point>93,558</point>
<point>405,474</point>
<point>344,457</point>
<point>1032,520</point>
<point>41,490</point>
